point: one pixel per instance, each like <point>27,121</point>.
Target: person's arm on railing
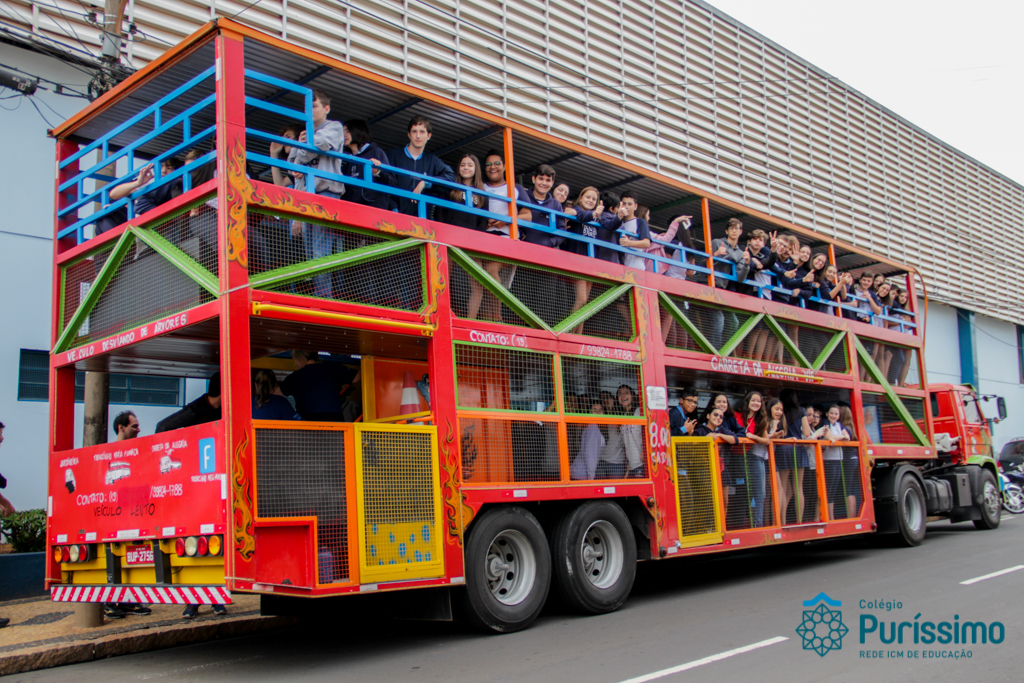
<point>125,189</point>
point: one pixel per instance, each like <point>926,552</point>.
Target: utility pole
<point>112,71</point>
<point>97,399</point>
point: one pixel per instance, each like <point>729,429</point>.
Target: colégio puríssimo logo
<point>822,628</point>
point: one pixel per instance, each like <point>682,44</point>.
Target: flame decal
<point>437,282</point>
<point>238,187</point>
<point>450,466</point>
<point>242,517</point>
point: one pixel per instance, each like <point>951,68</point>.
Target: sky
<point>954,69</point>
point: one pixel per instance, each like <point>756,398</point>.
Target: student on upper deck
<point>561,193</point>
<point>277,149</point>
<point>868,300</point>
<point>471,175</point>
<point>414,157</point>
<point>540,195</point>
<point>359,142</point>
<point>328,136</point>
<point>150,200</point>
<point>724,323</point>
<point>635,233</point>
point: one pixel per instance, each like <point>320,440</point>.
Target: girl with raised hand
<point>766,428</point>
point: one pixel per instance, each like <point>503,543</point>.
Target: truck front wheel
<point>508,571</point>
<point>991,504</point>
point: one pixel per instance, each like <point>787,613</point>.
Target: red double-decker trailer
<point>487,459</point>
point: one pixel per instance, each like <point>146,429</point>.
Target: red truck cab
<point>956,411</point>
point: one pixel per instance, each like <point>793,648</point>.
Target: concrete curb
<point>133,642</point>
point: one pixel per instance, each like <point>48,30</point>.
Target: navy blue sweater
<point>427,164</point>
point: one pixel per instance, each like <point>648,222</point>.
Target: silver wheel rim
<point>1014,501</point>
<point>992,503</point>
<point>913,514</point>
<point>511,567</point>
<point>602,554</point>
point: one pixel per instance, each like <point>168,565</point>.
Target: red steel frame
<point>460,502</point>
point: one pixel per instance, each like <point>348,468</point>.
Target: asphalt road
<point>684,614</point>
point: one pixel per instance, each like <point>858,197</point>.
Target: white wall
<point>998,364</point>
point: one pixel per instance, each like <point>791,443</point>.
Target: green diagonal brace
<point>351,257</point>
<point>829,348</point>
<point>506,297</point>
<point>592,308</point>
<point>98,285</point>
<point>894,400</point>
<point>179,259</point>
<point>740,334</point>
<point>794,351</point>
<point>686,323</point>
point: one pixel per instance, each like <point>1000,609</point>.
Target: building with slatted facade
<point>696,96</point>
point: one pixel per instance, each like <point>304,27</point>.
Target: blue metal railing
<point>190,139</point>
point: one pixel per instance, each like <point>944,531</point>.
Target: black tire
<point>503,599</point>
<point>594,553</point>
<point>991,504</point>
<point>911,511</point>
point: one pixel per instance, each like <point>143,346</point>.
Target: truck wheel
<point>991,503</point>
<point>594,553</point>
<point>508,571</point>
<point>911,511</point>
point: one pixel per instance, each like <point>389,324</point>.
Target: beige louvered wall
<point>689,92</point>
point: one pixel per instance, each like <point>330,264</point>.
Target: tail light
<point>202,545</point>
<point>191,545</point>
<point>73,553</point>
<point>57,553</point>
<point>179,547</point>
<point>83,553</point>
<point>65,554</point>
<point>215,545</point>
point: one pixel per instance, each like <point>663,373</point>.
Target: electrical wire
<point>250,5</point>
<point>960,314</point>
<point>64,86</point>
<point>32,101</point>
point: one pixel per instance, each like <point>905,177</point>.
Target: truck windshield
<point>971,412</point>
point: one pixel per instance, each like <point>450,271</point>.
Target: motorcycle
<point>1010,484</point>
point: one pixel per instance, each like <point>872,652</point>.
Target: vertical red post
<point>705,213</point>
<point>232,193</point>
<point>441,370</point>
<point>510,179</point>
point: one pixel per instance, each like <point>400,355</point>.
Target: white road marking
<point>968,582</point>
<point>707,660</point>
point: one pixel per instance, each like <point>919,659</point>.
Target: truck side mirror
<point>1001,405</point>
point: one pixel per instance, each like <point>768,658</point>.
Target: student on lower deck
<point>683,418</point>
<point>770,425</point>
<point>623,454</point>
<point>832,456</point>
<point>268,403</point>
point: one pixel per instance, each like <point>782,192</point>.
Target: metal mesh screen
<point>301,473</point>
<point>674,334</point>
<point>897,363</point>
<point>716,324</point>
<point>78,279</point>
<point>747,487</point>
<point>504,379</point>
<point>144,287</point>
<point>399,488</point>
<point>843,485</point>
<point>694,463</point>
<point>812,342</point>
<point>194,231</point>
<point>602,450</point>
<point>883,425</point>
<point>614,321</point>
<point>390,281</point>
<point>503,451</point>
<point>471,300</point>
<point>588,383</point>
<point>796,481</point>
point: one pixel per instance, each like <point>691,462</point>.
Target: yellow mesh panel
<point>399,502</point>
<point>698,490</point>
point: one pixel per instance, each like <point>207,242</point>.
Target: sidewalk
<point>42,633</point>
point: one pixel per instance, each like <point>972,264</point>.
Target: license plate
<point>139,554</point>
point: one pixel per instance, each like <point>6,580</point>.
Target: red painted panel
<point>284,555</point>
<point>169,484</point>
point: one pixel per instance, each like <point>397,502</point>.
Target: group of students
<point>606,451</point>
<point>762,421</point>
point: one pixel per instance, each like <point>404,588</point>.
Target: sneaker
<point>4,621</point>
<point>114,613</point>
<point>190,612</point>
<point>138,610</point>
<point>220,610</point>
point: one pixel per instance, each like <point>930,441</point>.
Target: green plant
<point>25,531</point>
